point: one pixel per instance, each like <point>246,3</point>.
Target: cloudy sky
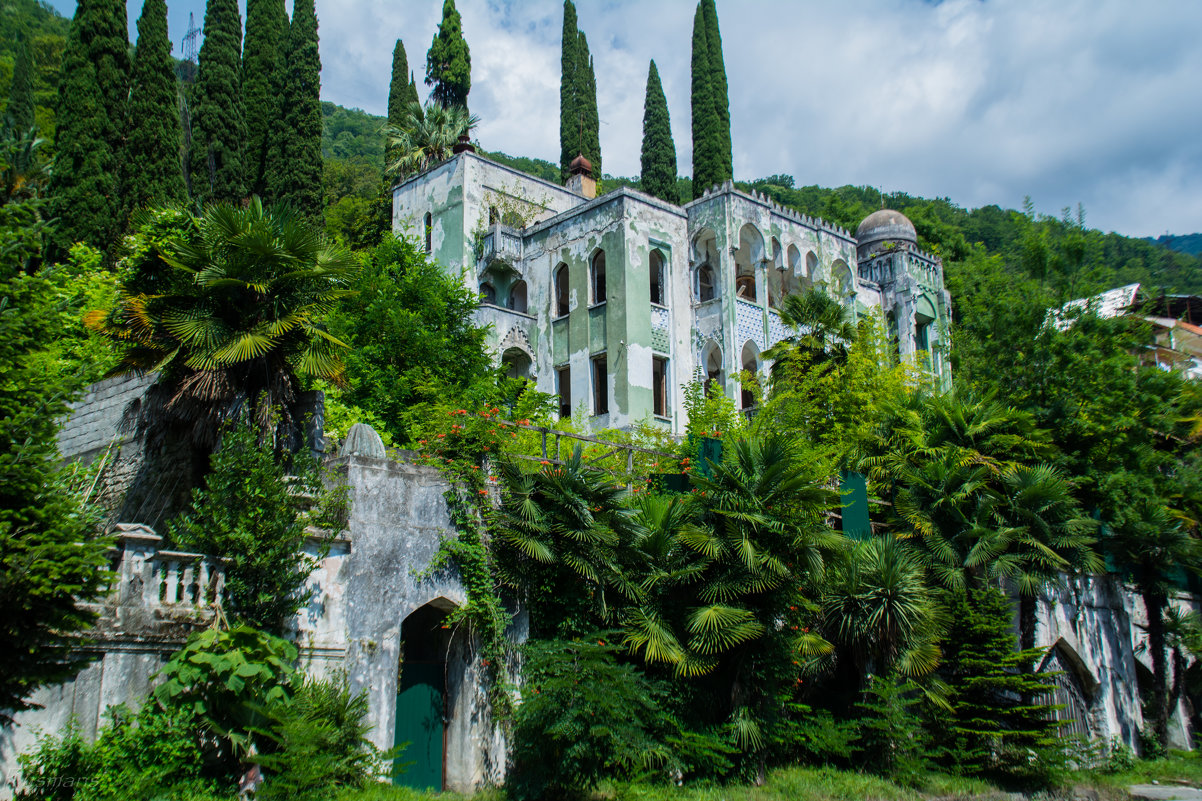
<point>1097,102</point>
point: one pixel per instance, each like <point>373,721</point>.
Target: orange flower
<point>482,492</point>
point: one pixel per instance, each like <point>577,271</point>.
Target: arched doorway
<point>517,363</point>
<point>421,701</point>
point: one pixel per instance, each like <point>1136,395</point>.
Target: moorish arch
<point>748,257</point>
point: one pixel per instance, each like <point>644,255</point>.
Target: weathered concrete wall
<point>362,588</point>
<point>1096,628</point>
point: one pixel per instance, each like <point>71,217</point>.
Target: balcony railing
<point>500,243</point>
<point>151,577</point>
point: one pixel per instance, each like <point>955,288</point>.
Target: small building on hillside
<point>615,303</point>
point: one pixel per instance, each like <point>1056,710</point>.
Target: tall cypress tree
<point>90,118</point>
<point>587,93</point>
<point>719,89</point>
<point>449,62</point>
<point>707,137</point>
<point>398,93</point>
<point>570,139</point>
<point>153,150</point>
<point>266,32</point>
<point>20,96</point>
<point>217,170</point>
<point>659,151</point>
<point>298,181</point>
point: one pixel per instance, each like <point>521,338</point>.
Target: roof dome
<point>580,165</point>
<point>886,225</point>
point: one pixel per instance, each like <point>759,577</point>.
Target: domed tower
<point>885,230</point>
<point>917,307</point>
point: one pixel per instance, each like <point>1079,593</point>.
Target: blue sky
<point>1097,102</point>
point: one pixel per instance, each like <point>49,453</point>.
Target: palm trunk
<point>1155,604</point>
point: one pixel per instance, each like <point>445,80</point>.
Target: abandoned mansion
<point>615,303</point>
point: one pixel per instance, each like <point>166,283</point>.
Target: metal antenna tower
<point>189,46</point>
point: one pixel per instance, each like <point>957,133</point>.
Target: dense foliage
<point>217,168</point>
<point>91,109</point>
<point>252,512</point>
<point>294,170</point>
<point>51,560</point>
<point>154,171</point>
<point>262,86</point>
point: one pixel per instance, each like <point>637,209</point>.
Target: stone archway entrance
<point>421,701</point>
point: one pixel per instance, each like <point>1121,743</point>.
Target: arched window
<point>796,280</point>
<point>751,364</point>
<point>713,370</point>
<point>517,297</point>
<point>597,278</point>
<point>488,295</point>
<point>706,287</point>
<point>747,258</point>
<point>429,232</point>
<point>656,270</point>
<point>561,290</point>
<point>776,276</point>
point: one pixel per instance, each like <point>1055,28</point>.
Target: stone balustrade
<point>154,578</point>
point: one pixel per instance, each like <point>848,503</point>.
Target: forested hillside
<point>1185,243</point>
<point>34,22</point>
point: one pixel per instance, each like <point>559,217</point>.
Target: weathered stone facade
<point>616,303</point>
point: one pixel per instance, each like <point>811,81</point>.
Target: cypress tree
<point>90,116</point>
<point>216,165</point>
<point>587,93</point>
<point>659,151</point>
<point>449,62</point>
<point>298,181</point>
<point>20,97</point>
<point>570,139</point>
<point>719,89</point>
<point>266,32</point>
<point>706,135</point>
<point>153,150</point>
<point>398,93</point>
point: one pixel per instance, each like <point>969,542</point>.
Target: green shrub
<point>891,741</point>
<point>584,715</point>
<point>148,754</point>
<point>231,681</point>
<point>322,742</point>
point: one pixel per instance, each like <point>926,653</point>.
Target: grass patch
<point>1179,767</point>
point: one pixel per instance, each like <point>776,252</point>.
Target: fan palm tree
<point>228,309</point>
<point>426,137</point>
<point>976,504</point>
<point>565,529</point>
<point>823,332</point>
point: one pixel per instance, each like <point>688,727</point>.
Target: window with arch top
<point>597,278</point>
<point>561,290</point>
<point>659,295</point>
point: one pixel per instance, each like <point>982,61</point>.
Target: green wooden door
<point>419,716</point>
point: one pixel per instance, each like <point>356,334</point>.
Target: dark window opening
<point>657,278</point>
<point>705,284</point>
<point>659,385</point>
<point>517,297</point>
<point>600,386</point>
<point>429,232</point>
<point>493,217</point>
<point>563,385</point>
<point>488,294</point>
<point>561,290</point>
<point>598,277</point>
